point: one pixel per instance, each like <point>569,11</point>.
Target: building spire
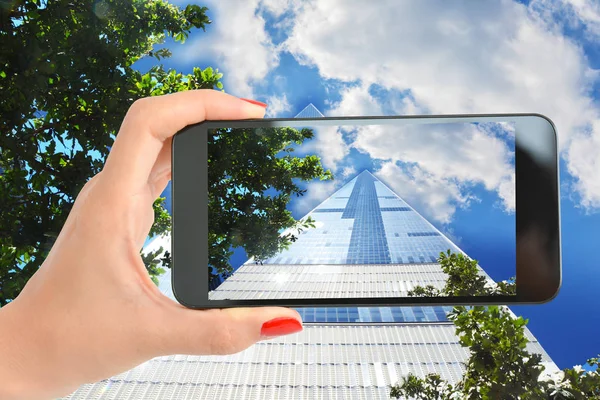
<point>310,111</point>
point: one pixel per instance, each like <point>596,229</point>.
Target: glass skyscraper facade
<point>367,242</point>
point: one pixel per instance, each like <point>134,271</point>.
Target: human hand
<point>92,311</point>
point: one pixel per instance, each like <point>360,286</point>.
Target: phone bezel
<point>189,209</point>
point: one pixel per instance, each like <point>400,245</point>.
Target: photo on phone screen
<point>355,211</point>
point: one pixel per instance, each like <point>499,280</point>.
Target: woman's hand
<point>92,311</point>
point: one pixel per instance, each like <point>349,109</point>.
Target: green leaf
<point>77,69</point>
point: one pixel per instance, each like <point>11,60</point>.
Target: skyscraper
<point>346,352</point>
<point>367,242</point>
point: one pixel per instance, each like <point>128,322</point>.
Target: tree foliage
<point>464,279</point>
<point>253,174</point>
<point>499,365</point>
<point>66,82</point>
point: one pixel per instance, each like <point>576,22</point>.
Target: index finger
<point>152,120</point>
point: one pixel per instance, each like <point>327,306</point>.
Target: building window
<point>414,234</point>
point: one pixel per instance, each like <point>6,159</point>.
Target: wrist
<point>11,371</point>
<point>23,355</point>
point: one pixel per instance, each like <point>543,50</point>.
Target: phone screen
<point>374,210</point>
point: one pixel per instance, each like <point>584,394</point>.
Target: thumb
<point>228,330</point>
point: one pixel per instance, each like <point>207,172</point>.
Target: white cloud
<point>276,7</point>
<point>439,198</point>
<point>506,191</point>
<point>347,172</point>
<point>478,57</point>
<point>277,105</point>
<point>584,162</point>
<point>449,159</point>
<point>237,42</point>
<point>317,192</point>
<point>443,163</point>
<point>356,101</point>
<point>450,151</point>
<point>328,143</point>
<point>573,13</point>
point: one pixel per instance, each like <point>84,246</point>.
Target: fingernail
<point>258,103</point>
<point>280,326</point>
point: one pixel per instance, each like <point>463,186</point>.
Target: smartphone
<point>366,211</point>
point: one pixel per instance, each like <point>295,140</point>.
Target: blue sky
<point>361,57</point>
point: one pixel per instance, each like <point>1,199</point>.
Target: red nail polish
<point>258,103</point>
<point>280,326</point>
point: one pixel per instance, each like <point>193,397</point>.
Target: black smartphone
<point>399,210</point>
